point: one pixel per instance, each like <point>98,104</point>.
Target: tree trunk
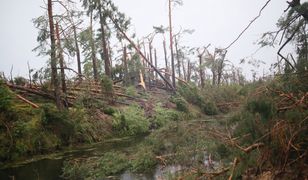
<point>188,71</point>
<point>201,72</point>
<point>171,45</point>
<point>166,62</point>
<point>155,60</point>
<point>77,53</point>
<point>93,56</point>
<point>61,59</point>
<point>126,78</point>
<point>105,54</point>
<point>53,62</point>
<point>184,71</point>
<point>141,54</point>
<point>177,57</point>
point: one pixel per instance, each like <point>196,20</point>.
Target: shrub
<point>131,121</point>
<point>109,110</point>
<point>144,160</point>
<point>162,116</point>
<point>262,106</point>
<point>113,163</point>
<point>180,103</point>
<point>58,122</point>
<point>5,98</point>
<point>209,108</point>
<point>75,170</point>
<point>21,81</point>
<point>131,91</point>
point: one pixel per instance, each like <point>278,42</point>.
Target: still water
<point>50,167</point>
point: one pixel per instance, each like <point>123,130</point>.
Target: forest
<point>123,112</point>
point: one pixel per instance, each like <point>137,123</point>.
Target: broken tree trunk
<point>27,101</point>
<point>141,54</point>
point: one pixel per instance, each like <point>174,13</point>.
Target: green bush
<point>113,163</point>
<point>144,160</point>
<point>5,97</point>
<point>131,121</point>
<point>60,123</point>
<point>262,106</point>
<point>109,110</point>
<point>131,91</point>
<point>209,108</point>
<point>162,116</point>
<point>21,81</point>
<point>75,170</point>
<point>180,103</point>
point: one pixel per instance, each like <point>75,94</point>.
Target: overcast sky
<point>215,21</point>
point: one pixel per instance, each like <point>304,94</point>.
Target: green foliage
<point>162,116</point>
<point>112,163</point>
<point>131,121</point>
<point>144,160</point>
<point>21,81</point>
<point>262,106</point>
<point>5,98</point>
<point>192,95</point>
<point>209,108</point>
<point>109,110</point>
<point>74,170</point>
<point>180,103</point>
<point>131,91</point>
<point>107,85</point>
<point>58,122</point>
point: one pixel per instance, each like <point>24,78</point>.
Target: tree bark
<point>201,72</point>
<point>171,45</point>
<point>53,62</point>
<point>166,62</point>
<point>126,76</point>
<point>93,52</point>
<point>188,71</point>
<point>151,60</point>
<point>77,53</point>
<point>177,57</point>
<point>105,54</point>
<point>61,60</point>
<point>155,60</point>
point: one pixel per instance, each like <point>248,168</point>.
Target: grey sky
<point>215,21</point>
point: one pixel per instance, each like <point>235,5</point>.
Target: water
<point>50,167</point>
